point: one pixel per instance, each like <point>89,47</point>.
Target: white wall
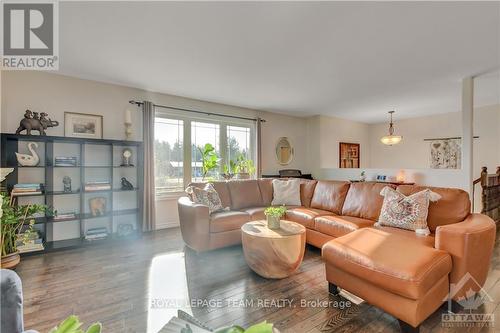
<point>411,156</point>
<point>325,134</point>
<point>413,151</point>
<point>55,94</point>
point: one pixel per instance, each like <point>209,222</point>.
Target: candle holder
<point>128,131</point>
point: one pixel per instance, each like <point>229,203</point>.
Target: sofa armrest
<point>12,302</point>
<point>470,244</point>
<point>195,224</point>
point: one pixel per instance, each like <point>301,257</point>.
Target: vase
<point>243,175</point>
<point>11,260</point>
<point>273,222</point>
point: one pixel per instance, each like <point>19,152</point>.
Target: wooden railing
<point>490,193</point>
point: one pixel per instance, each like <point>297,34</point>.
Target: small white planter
<point>273,222</point>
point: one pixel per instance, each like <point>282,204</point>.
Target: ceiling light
<point>391,139</point>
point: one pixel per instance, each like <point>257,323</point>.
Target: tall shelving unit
<point>97,160</point>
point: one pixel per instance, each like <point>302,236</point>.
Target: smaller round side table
<point>273,253</point>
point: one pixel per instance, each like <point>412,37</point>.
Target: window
<point>179,138</point>
<point>201,134</point>
<point>169,155</point>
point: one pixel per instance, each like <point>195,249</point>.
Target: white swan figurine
<point>29,160</point>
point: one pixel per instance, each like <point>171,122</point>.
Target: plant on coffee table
<point>273,215</point>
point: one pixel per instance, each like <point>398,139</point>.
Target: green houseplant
<point>274,215</point>
<point>209,159</point>
<point>244,167</point>
<point>12,220</point>
<point>73,325</point>
<point>229,170</point>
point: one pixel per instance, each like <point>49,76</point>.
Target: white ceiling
<point>352,60</point>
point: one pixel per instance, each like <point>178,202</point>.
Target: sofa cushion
<point>222,190</point>
<point>207,196</point>
<point>256,213</point>
<point>244,193</point>
<point>427,240</point>
<point>338,226</point>
<point>286,192</point>
<point>364,200</point>
<point>330,195</point>
<point>453,207</point>
<point>307,191</point>
<point>406,212</point>
<point>305,216</point>
<point>228,220</point>
<point>266,190</point>
<point>388,261</point>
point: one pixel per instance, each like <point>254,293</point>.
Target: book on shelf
<point>27,189</point>
<point>29,242</point>
<point>96,236</point>
<point>60,164</point>
<point>65,216</point>
<point>65,161</point>
<point>15,193</point>
<point>28,185</point>
<point>97,186</point>
<point>93,231</point>
<point>30,248</point>
<point>96,233</point>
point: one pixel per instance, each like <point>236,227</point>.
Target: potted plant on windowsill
<point>274,215</point>
<point>229,170</point>
<point>12,220</point>
<point>209,159</point>
<point>244,167</point>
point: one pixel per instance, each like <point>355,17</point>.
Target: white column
<point>467,132</point>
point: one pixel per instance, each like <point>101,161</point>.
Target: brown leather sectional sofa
<point>406,274</point>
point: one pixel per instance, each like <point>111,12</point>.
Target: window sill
<point>169,196</point>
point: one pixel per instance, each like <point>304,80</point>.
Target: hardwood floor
<point>137,286</point>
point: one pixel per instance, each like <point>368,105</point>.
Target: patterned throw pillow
<point>406,212</point>
<point>207,196</point>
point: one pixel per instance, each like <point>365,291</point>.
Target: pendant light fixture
<point>391,139</point>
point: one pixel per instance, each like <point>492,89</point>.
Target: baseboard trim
<point>172,224</point>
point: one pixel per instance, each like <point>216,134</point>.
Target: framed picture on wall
<point>83,125</point>
<point>349,155</point>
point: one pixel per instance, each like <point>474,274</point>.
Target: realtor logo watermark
<point>30,35</point>
<point>472,305</point>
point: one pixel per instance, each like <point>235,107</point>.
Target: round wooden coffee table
<point>271,253</point>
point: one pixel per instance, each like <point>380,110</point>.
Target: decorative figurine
<point>97,206</point>
<point>362,177</point>
<point>32,121</point>
<point>125,230</point>
<point>4,172</point>
<point>67,184</point>
<point>29,160</point>
<point>126,157</point>
<point>126,185</point>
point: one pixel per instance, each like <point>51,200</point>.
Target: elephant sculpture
<point>33,121</point>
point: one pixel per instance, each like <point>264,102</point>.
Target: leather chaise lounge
<point>405,274</point>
